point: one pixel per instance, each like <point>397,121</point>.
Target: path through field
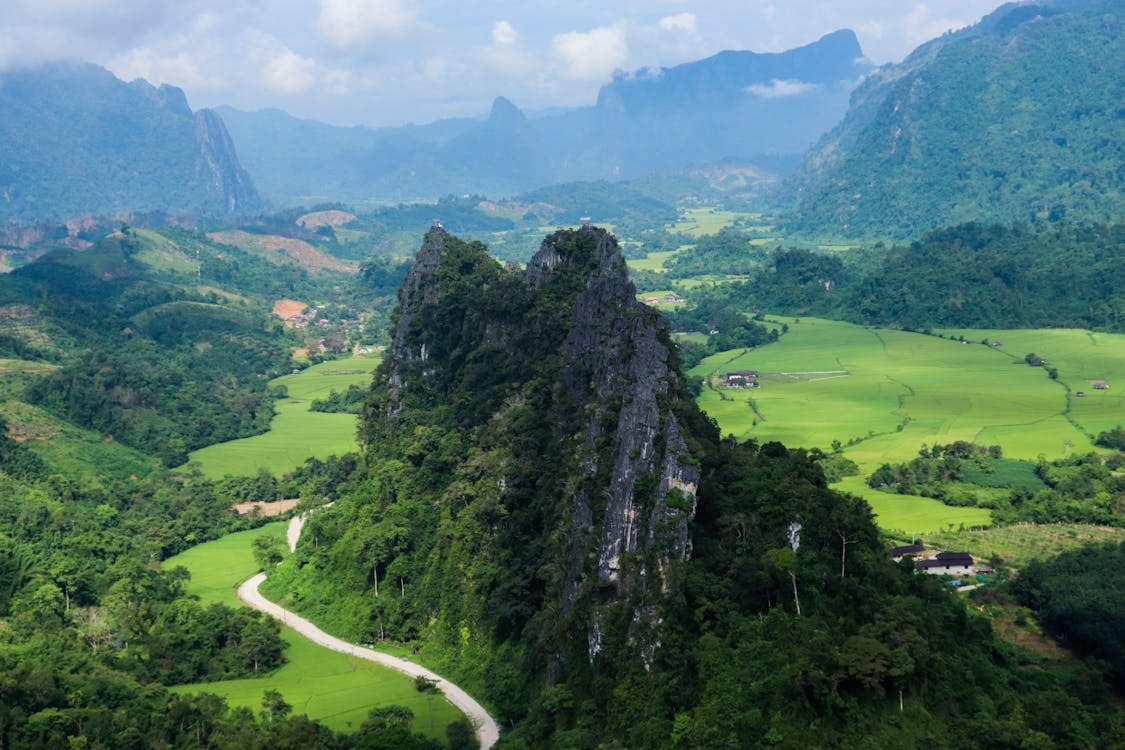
<point>487,729</point>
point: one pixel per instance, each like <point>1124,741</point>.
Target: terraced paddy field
<point>324,685</point>
<point>884,393</point>
<point>296,433</point>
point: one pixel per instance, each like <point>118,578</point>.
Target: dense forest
<point>972,276</point>
<point>1078,598</point>
<point>467,534</point>
<point>1015,119</point>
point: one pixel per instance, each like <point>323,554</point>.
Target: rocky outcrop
<point>564,343</point>
<point>218,168</point>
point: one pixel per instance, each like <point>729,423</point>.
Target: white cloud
<point>436,68</point>
<point>179,67</point>
<point>920,25</point>
<point>781,87</point>
<point>348,23</point>
<point>504,34</point>
<point>289,73</point>
<point>684,22</point>
<point>338,82</point>
<point>591,55</point>
<point>279,68</point>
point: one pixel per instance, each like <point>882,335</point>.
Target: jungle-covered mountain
<point>545,513</point>
<point>734,104</point>
<point>1017,118</point>
<point>76,140</point>
<point>972,275</point>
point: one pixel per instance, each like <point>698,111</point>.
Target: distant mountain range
<point>75,140</point>
<point>734,104</point>
<point>1020,117</point>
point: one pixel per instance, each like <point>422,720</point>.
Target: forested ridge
<point>1016,118</point>
<point>972,276</point>
<point>787,624</point>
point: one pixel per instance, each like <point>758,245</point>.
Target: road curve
<point>488,731</point>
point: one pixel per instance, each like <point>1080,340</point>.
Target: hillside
<point>546,515</point>
<point>1017,118</point>
<point>75,140</point>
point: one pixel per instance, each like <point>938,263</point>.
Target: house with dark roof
<point>742,378</point>
<point>948,563</point>
<point>909,549</point>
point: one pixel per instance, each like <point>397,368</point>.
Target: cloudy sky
<point>388,62</point>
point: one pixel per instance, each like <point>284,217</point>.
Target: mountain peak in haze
<point>75,139</point>
<point>505,114</point>
<point>738,104</point>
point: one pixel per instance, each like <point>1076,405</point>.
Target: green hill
<point>1021,117</point>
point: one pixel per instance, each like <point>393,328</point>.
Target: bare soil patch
<point>325,219</point>
<point>267,510</point>
<point>282,250</point>
<point>287,308</point>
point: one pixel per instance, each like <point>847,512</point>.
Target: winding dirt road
<point>487,730</point>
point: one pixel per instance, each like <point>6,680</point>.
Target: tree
<point>460,735</point>
<point>274,707</point>
<point>269,550</point>
<point>784,560</point>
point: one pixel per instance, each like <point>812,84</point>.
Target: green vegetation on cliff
<point>1015,119</point>
<point>543,512</point>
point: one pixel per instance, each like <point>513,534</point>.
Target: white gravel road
<point>488,731</point>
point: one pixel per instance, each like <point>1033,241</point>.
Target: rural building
<point>742,379</point>
<point>1100,385</point>
<point>674,298</point>
<point>948,563</point>
<point>908,549</point>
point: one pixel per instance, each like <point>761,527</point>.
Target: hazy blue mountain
<point>1019,117</point>
<point>74,139</point>
<point>734,104</point>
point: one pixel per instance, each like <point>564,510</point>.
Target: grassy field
<point>700,221</point>
<point>218,567</point>
<point>883,393</point>
<point>911,514</point>
<point>1018,545</point>
<point>654,261</point>
<point>295,433</point>
<point>333,688</point>
<point>1080,357</point>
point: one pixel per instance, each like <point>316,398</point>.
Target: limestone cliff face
<point>616,358</point>
<point>229,186</point>
<point>607,481</point>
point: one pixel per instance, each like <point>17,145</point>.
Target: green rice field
<point>883,393</point>
<point>295,432</point>
<point>700,221</point>
<point>654,261</point>
<point>218,567</point>
<point>327,686</point>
